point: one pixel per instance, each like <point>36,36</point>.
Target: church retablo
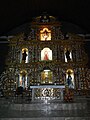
<point>46,63</point>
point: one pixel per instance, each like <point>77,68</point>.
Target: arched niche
<point>24,55</point>
<point>46,76</point>
<point>46,54</point>
<point>67,55</point>
<point>70,78</point>
<point>23,78</point>
<point>45,34</point>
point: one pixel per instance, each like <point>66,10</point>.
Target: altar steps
<point>45,110</point>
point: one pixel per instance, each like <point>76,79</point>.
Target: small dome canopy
<point>44,18</point>
<point>46,68</point>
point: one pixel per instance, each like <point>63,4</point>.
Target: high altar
<point>46,61</point>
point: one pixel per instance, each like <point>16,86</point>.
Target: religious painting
<point>45,34</point>
<point>46,54</point>
<point>46,76</point>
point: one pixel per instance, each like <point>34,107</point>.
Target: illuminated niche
<point>46,54</point>
<point>45,34</point>
<point>46,76</point>
<point>70,78</point>
<point>24,55</point>
<point>68,55</point>
<point>23,79</point>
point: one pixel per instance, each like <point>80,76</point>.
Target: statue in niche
<point>69,81</point>
<point>24,55</point>
<point>23,79</point>
<point>45,35</point>
<point>46,55</point>
<point>44,18</point>
<point>68,55</point>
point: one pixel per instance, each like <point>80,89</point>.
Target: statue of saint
<point>69,81</point>
<point>68,55</point>
<point>23,79</point>
<point>45,35</point>
<point>24,55</point>
<point>46,55</point>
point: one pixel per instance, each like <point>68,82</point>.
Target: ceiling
<point>14,13</point>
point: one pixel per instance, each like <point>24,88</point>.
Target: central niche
<point>46,54</point>
<point>45,34</point>
<point>46,76</point>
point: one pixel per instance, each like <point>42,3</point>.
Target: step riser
<point>52,118</point>
<point>25,107</point>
